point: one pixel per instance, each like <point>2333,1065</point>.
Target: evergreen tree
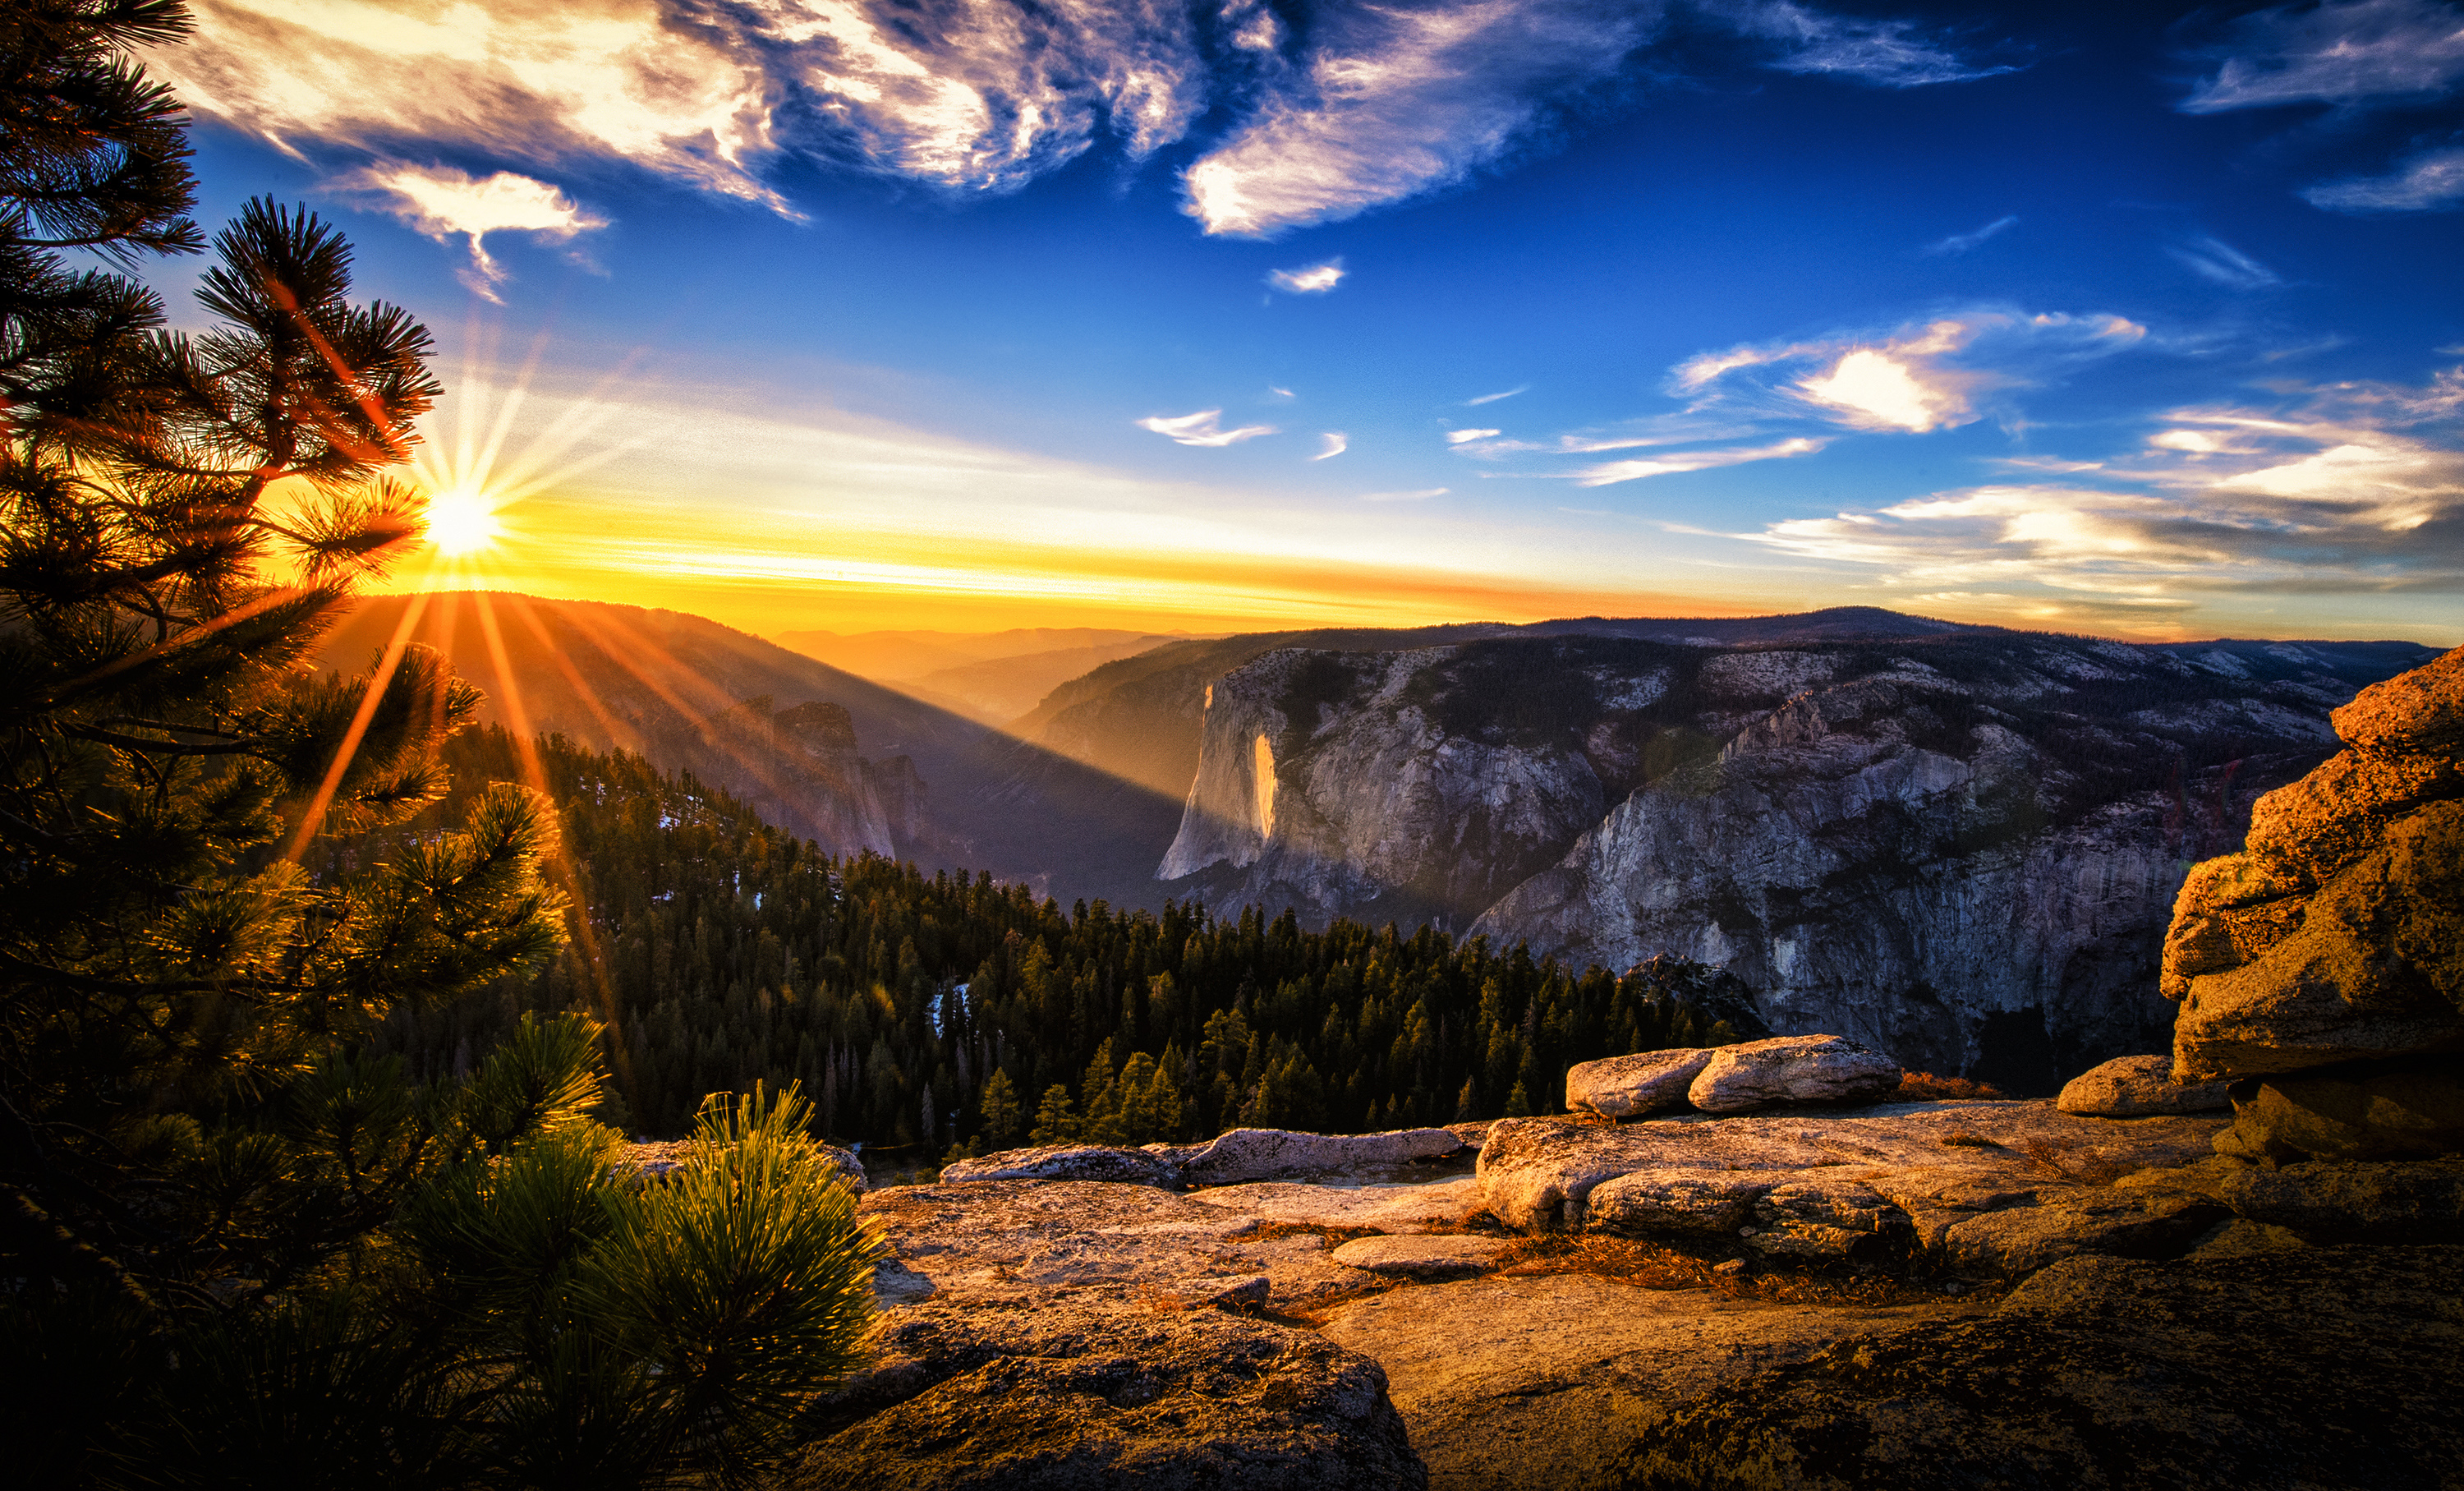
<point>1056,1119</point>
<point>239,1244</point>
<point>998,1107</point>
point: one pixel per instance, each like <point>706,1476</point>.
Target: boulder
<point>2136,1087</point>
<point>2338,934</point>
<point>1255,1154</point>
<point>1072,1396</point>
<point>2410,1108</point>
<point>1710,1203</point>
<point>2315,1367</point>
<point>1422,1255</point>
<point>1064,1161</point>
<point>1539,1173</point>
<point>1647,1081</point>
<point>2380,1202</point>
<point>1793,1069</point>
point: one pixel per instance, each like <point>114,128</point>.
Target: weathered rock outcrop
<point>2325,1369</point>
<point>2327,958</point>
<point>1958,850</point>
<point>1077,1396</point>
<point>2136,1087</point>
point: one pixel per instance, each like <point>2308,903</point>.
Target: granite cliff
<point>1959,846</point>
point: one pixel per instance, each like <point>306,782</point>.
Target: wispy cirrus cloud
<point>1491,398</point>
<point>1915,379</point>
<point>442,202</point>
<point>1334,442</point>
<point>1610,473</point>
<point>1313,279</point>
<point>1203,428</point>
<point>1404,496</point>
<point>1467,436</point>
<point>1890,54</point>
<point>2354,489</point>
<point>1391,103</point>
<point>2218,262</point>
<point>1962,242</point>
<point>2359,54</point>
<point>1378,102</point>
<point>984,98</point>
<point>2430,181</point>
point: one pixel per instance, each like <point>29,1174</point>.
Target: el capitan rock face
<point>1960,849</point>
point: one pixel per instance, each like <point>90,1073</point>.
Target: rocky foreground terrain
<point>2237,1267</point>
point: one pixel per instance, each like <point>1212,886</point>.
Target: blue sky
<point>807,313</point>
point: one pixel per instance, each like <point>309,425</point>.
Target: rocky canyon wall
<point>1962,850</point>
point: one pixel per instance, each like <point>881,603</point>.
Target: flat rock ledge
<point>1422,1255</point>
<point>2325,1368</point>
<point>1076,1395</point>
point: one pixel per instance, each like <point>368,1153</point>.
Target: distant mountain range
<point>994,677</point>
<point>691,694</point>
<point>1957,841</point>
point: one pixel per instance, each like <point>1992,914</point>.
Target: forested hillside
<point>719,950</point>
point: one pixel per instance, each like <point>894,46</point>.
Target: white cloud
<point>1915,379</point>
<point>2215,260</point>
<point>1315,279</point>
<point>1203,428</point>
<point>1887,53</point>
<point>1491,398</point>
<point>1610,473</point>
<point>1381,102</point>
<point>988,96</point>
<point>1961,242</point>
<point>1394,102</point>
<point>440,202</point>
<point>1466,436</point>
<point>1332,443</point>
<point>1403,497</point>
<point>2356,54</point>
<point>2360,491</point>
<point>2427,183</point>
<point>1280,394</point>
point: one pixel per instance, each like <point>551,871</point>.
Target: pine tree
<point>240,1245</point>
<point>1056,1119</point>
<point>998,1107</point>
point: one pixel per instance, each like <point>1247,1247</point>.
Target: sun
<point>461,521</point>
